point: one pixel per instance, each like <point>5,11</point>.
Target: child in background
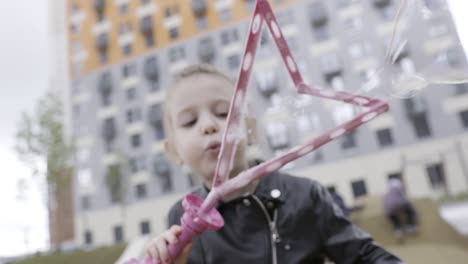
<point>278,219</point>
<point>395,204</point>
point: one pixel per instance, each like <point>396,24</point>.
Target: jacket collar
<point>265,189</point>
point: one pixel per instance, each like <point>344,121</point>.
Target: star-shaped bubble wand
<point>201,214</point>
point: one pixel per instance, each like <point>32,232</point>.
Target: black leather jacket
<point>301,225</point>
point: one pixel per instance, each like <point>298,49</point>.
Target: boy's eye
<point>189,123</point>
<point>222,109</point>
<point>222,114</point>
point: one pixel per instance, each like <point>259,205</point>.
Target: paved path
<point>456,214</point>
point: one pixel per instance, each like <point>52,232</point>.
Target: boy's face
<point>198,110</point>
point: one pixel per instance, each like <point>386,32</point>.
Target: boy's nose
<point>210,130</point>
<point>210,126</point>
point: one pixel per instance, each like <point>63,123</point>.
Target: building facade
<point>122,54</point>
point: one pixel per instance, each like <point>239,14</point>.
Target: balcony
<point>151,69</point>
<point>382,3</point>
<point>161,166</point>
<point>105,83</point>
<point>199,7</point>
<point>99,5</point>
<point>109,130</point>
<point>146,25</point>
<point>206,50</point>
<point>415,106</point>
<point>318,15</point>
<point>155,114</point>
<point>102,41</point>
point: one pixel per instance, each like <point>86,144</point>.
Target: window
<point>307,123</point>
<point>176,54</point>
<point>317,12</point>
<point>436,175</point>
<point>421,126</point>
<point>335,80</point>
<point>330,62</point>
<point>162,170</point>
<point>145,227</point>
<point>433,5</point>
<point>277,134</point>
<point>464,118</point>
<point>124,28</point>
<point>407,65</point>
<point>123,8</point>
<point>137,164</point>
<point>348,141</point>
<point>267,82</point>
<point>140,191</point>
<point>359,188</point>
<point>100,16</point>
<point>358,50</point>
<point>201,22</point>
<point>85,202</point>
<point>206,50</point>
<point>461,88</point>
<point>88,237</point>
<point>385,8</point>
<point>225,14</point>
<point>354,24</point>
<point>344,3</point>
<point>229,36</point>
<point>109,131</point>
<point>131,93</point>
<point>135,140</point>
<point>133,115</point>
<point>118,234</point>
<point>322,33</point>
<point>234,61</point>
<point>174,32</point>
<point>102,56</point>
<point>129,70</point>
<point>293,43</point>
<point>285,18</point>
<point>342,114</point>
<point>149,39</point>
<point>250,5</point>
<point>395,175</point>
<point>156,119</point>
<point>438,30</point>
<point>171,10</point>
<point>77,68</point>
<point>127,49</point>
<point>384,136</point>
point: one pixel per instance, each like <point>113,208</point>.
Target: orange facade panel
<point>113,18</point>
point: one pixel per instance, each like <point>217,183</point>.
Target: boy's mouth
<point>213,147</point>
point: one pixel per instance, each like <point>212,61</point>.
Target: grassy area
<point>105,255</point>
<point>454,198</point>
<point>437,241</point>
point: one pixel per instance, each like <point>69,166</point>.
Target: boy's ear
<point>251,124</point>
<point>172,153</point>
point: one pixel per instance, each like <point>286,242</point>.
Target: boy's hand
<point>157,247</point>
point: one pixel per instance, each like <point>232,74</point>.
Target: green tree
<point>41,144</point>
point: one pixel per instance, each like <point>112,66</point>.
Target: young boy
<point>279,219</point>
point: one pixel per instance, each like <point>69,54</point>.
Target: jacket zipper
<point>275,238</point>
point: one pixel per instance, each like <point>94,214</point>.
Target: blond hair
<point>189,71</point>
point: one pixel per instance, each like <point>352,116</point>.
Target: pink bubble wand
<point>201,214</point>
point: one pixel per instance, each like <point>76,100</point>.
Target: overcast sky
<point>23,78</point>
